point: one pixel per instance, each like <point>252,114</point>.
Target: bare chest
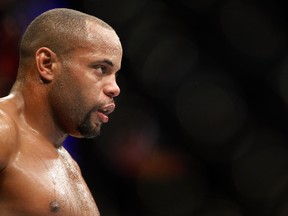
<point>33,185</point>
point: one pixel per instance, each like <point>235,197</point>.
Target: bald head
<point>61,30</point>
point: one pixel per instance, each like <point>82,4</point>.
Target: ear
<point>45,59</point>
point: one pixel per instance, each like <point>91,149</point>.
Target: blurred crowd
<point>201,124</point>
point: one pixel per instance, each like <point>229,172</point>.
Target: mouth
<point>104,111</point>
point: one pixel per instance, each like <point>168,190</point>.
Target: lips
<point>104,111</point>
<point>107,109</point>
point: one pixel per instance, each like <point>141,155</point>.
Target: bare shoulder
<point>68,158</point>
<point>8,138</point>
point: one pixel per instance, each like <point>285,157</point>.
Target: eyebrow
<point>106,61</point>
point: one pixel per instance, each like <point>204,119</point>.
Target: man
<point>65,86</point>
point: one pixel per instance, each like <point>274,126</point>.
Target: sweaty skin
<point>38,177</point>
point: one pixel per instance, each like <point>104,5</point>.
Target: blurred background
<point>201,125</point>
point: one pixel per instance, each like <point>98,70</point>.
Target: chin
<point>90,132</point>
<point>88,129</point>
<point>86,135</point>
<point>91,135</point>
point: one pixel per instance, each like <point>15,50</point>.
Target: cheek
<point>83,88</point>
<point>66,95</point>
<point>92,90</point>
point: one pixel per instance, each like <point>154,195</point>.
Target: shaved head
<point>62,30</point>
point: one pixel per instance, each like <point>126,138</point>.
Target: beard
<point>86,129</point>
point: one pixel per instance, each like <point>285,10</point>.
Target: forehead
<point>99,44</point>
<point>98,35</point>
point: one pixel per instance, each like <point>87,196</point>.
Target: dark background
<point>201,124</point>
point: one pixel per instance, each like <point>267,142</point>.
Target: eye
<point>100,69</point>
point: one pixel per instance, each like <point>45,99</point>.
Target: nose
<point>112,89</point>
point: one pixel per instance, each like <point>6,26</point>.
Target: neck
<point>35,112</point>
